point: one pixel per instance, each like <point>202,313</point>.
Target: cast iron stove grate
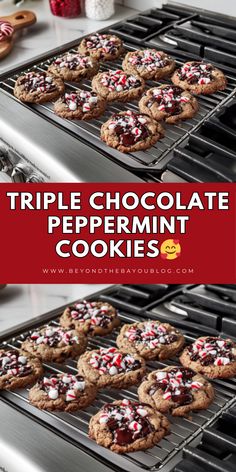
<point>74,427</point>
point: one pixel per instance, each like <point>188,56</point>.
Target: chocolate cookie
<point>211,356</point>
<point>55,344</point>
<point>62,392</point>
<point>105,47</point>
<point>149,64</point>
<point>130,132</point>
<point>177,390</point>
<point>74,67</point>
<point>112,368</point>
<point>150,339</point>
<point>199,78</point>
<point>38,87</point>
<point>93,318</point>
<point>17,369</point>
<point>125,426</point>
<point>169,103</point>
<point>116,85</point>
<point>80,105</point>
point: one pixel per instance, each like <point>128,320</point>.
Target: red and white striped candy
<point>6,30</point>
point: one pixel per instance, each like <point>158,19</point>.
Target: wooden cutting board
<point>18,20</point>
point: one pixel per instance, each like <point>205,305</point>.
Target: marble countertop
<point>50,32</point>
<point>19,303</point>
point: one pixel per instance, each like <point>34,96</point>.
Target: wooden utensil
<point>18,20</point>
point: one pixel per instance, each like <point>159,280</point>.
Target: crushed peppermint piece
<point>177,385</point>
<point>14,363</point>
<point>196,73</point>
<point>62,384</point>
<point>168,98</point>
<point>127,421</point>
<point>119,81</point>
<point>111,361</point>
<point>38,82</point>
<point>52,336</point>
<point>152,334</point>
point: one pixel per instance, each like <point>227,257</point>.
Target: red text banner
<point>118,233</point>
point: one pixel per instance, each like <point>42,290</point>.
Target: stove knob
<point>18,174</point>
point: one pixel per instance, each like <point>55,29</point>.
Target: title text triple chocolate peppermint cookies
<point>105,47</point>
<point>199,77</point>
<point>55,344</point>
<point>110,367</point>
<point>169,103</point>
<point>149,64</point>
<point>38,87</point>
<point>62,392</point>
<point>211,356</point>
<point>17,369</point>
<point>118,85</point>
<point>177,390</point>
<point>125,426</point>
<point>150,339</point>
<point>74,67</point>
<point>130,132</point>
<point>93,318</point>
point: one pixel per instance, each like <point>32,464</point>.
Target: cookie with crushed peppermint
<point>214,357</point>
<point>18,369</point>
<point>62,392</point>
<point>54,343</point>
<point>149,64</point>
<point>125,426</point>
<point>74,67</point>
<point>117,85</point>
<point>176,390</point>
<point>109,367</point>
<point>95,318</point>
<point>130,132</point>
<point>102,47</point>
<point>169,103</point>
<point>150,340</point>
<point>80,105</point>
<point>38,87</point>
<point>199,78</point>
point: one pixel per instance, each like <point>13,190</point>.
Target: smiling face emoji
<point>170,249</point>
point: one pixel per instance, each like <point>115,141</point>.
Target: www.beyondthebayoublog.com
<point>117,270</point>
